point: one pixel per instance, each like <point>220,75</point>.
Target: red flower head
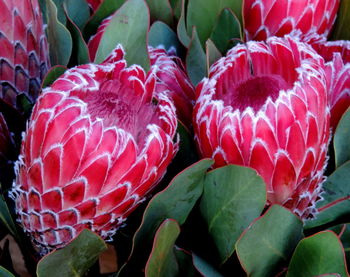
<point>172,79</point>
<point>171,76</point>
<point>23,50</point>
<point>97,143</point>
<point>265,18</point>
<point>264,105</point>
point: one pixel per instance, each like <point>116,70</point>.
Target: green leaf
<point>107,8</point>
<point>80,52</point>
<point>233,197</point>
<point>345,238</point>
<point>6,218</point>
<point>319,254</point>
<point>160,10</point>
<point>74,259</point>
<point>342,140</point>
<point>269,242</point>
<point>335,204</point>
<point>128,27</point>
<point>78,11</point>
<point>196,60</point>
<point>160,35</point>
<point>53,74</point>
<point>60,12</point>
<point>203,15</point>
<point>175,202</point>
<point>343,231</point>
<point>5,273</point>
<point>181,28</point>
<point>176,6</point>
<point>184,260</point>
<point>59,38</point>
<point>186,156</point>
<point>342,31</point>
<point>162,261</point>
<point>212,53</point>
<point>24,104</point>
<point>205,269</point>
<point>226,28</point>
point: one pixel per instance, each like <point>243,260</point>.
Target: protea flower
<point>337,56</point>
<point>172,79</point>
<point>264,105</point>
<point>263,18</point>
<point>96,144</point>
<point>171,75</point>
<point>23,50</point>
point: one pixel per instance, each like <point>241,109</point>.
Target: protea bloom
<point>171,75</point>
<point>172,79</point>
<point>23,50</point>
<point>263,18</point>
<point>337,56</point>
<point>264,105</point>
<point>96,144</point>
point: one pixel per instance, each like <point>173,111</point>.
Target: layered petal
<point>265,18</point>
<point>337,56</point>
<point>23,51</point>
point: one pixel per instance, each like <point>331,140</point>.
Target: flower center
<point>254,92</point>
<point>117,105</point>
<point>110,104</point>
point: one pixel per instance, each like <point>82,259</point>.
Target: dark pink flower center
<point>117,105</point>
<point>254,92</point>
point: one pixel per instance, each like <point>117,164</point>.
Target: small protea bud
<point>337,56</point>
<point>171,75</point>
<point>96,144</point>
<point>263,18</point>
<point>264,105</point>
<point>23,51</point>
<point>172,79</point>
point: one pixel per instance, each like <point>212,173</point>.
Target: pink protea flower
<point>23,50</point>
<point>172,79</point>
<point>171,75</point>
<point>337,56</point>
<point>97,143</point>
<point>264,105</point>
<point>263,18</point>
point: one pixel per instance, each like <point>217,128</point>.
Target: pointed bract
<point>94,4</point>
